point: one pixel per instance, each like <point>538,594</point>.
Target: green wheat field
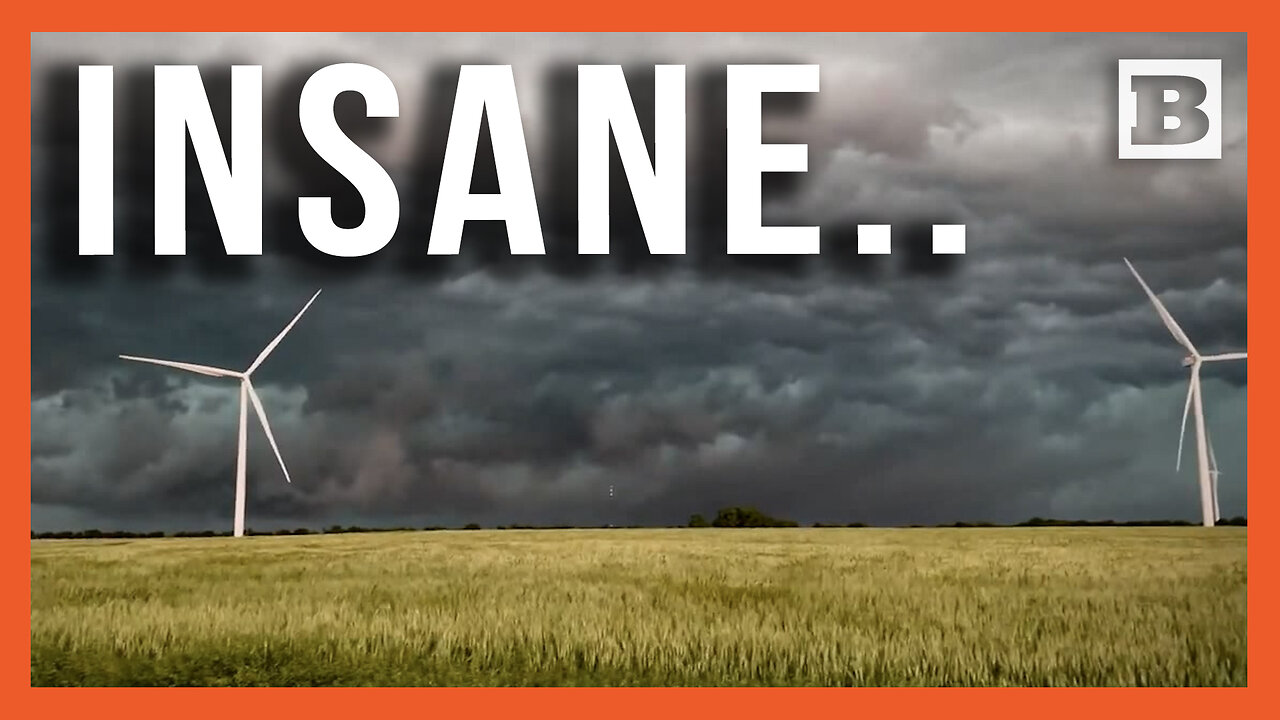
<point>805,606</point>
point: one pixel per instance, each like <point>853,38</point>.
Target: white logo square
<point>1170,109</point>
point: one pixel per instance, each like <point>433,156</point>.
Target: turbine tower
<point>246,393</point>
<point>1205,461</point>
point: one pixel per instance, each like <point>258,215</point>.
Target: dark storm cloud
<point>1031,379</point>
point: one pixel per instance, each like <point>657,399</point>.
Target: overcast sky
<point>1028,377</point>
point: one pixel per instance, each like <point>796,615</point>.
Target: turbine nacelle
<point>1188,361</point>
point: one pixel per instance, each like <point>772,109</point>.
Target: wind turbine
<point>246,392</point>
<point>1207,464</point>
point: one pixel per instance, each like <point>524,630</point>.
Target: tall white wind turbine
<point>1206,463</point>
<point>246,393</point>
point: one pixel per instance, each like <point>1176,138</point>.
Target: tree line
<point>729,517</point>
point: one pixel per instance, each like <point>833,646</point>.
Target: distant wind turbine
<point>246,392</point>
<point>1206,462</point>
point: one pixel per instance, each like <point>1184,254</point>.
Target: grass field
<point>1074,606</point>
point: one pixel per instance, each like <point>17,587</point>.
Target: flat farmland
<point>804,606</point>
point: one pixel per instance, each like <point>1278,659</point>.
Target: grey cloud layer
<point>1033,380</point>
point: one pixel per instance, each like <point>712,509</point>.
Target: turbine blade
<point>272,345</point>
<point>266,426</point>
<point>1213,461</point>
<point>189,367</point>
<point>1225,356</point>
<point>1213,474</point>
<point>1186,409</point>
<point>1169,322</point>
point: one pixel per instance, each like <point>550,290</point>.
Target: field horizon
<point>719,606</point>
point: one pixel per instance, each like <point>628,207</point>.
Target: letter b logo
<point>1170,109</point>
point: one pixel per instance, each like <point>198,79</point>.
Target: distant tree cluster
<point>333,529</point>
<point>741,517</point>
<point>1046,522</point>
<point>97,534</point>
<point>749,517</point>
<point>93,534</point>
<point>840,525</point>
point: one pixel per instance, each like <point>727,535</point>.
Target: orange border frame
<point>584,15</point>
